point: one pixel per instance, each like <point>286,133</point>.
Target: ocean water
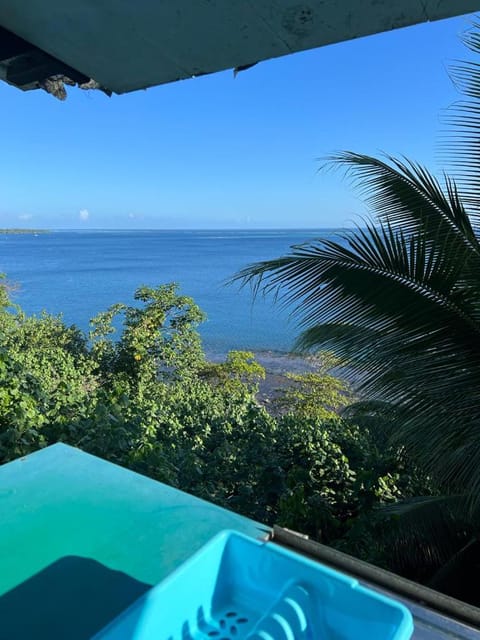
<point>79,273</point>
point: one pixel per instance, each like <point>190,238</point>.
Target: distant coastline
<point>20,231</point>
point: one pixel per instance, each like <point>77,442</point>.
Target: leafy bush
<point>145,397</point>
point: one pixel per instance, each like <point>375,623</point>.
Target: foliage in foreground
<point>148,400</point>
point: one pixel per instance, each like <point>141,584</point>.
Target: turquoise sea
<point>79,273</point>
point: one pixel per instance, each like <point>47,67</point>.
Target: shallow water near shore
<point>80,273</point>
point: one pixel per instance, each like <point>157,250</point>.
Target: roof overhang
<point>125,45</point>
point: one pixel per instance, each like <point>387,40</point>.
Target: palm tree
<point>399,298</point>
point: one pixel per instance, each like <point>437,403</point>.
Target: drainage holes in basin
<point>228,626</point>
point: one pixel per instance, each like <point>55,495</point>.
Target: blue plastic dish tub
<point>236,587</point>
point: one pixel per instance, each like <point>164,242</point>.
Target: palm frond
<point>409,197</point>
<point>426,534</point>
<point>401,302</point>
<point>466,74</point>
<point>373,277</point>
<point>461,145</point>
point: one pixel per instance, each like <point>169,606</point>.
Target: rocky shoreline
<point>277,365</point>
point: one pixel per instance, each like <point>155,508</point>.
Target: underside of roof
<point>121,46</point>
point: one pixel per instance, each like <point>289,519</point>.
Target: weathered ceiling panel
<point>125,45</point>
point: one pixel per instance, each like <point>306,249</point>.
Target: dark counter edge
<point>456,609</point>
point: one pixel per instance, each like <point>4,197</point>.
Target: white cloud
<point>25,216</point>
<point>84,215</point>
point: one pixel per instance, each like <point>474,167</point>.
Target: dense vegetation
<point>146,398</point>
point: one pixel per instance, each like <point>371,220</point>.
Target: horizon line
<point>247,229</point>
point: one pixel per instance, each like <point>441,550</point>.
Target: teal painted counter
<point>81,538</point>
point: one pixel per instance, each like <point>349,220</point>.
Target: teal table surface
<point>81,539</point>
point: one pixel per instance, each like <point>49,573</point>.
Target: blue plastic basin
<point>236,587</point>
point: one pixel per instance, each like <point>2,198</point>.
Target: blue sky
<point>219,152</point>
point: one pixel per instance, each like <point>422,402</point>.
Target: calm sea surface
<point>79,273</point>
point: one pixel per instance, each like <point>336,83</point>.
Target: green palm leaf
<point>429,535</point>
<point>462,144</point>
<point>401,301</point>
<point>408,197</point>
